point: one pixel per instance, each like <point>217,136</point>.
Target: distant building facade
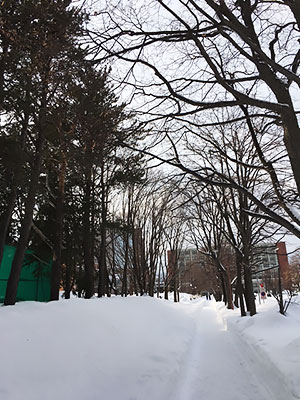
<point>267,259</point>
<point>189,267</point>
<point>195,273</point>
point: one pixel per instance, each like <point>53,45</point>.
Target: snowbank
<point>142,348</point>
<point>275,338</point>
<point>117,349</point>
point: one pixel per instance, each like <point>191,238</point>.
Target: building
<point>196,273</point>
<point>283,262</point>
<point>191,269</point>
<point>266,260</point>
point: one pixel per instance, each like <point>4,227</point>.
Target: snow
<point>142,348</point>
<point>89,349</point>
<point>275,338</point>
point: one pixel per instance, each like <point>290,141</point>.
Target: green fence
<point>34,281</point>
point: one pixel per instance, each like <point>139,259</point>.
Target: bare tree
<point>174,232</point>
<point>220,213</point>
<point>206,229</point>
<point>200,56</point>
<point>138,245</point>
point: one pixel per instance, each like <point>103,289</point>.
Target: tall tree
<point>44,56</point>
<point>240,56</point>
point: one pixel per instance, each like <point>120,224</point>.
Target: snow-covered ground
<point>141,348</point>
<point>275,339</point>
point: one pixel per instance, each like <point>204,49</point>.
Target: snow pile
<point>117,349</point>
<point>185,298</point>
<point>274,338</point>
<point>142,348</point>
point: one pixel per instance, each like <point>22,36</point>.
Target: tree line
<point>212,76</point>
<point>71,189</point>
<point>74,176</point>
<point>62,129</point>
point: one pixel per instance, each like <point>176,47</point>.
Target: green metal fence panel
<point>35,276</point>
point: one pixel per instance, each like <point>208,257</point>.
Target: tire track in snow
<point>219,364</point>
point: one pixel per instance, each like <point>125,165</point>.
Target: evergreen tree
<point>50,31</point>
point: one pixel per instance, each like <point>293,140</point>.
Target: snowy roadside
<point>274,337</point>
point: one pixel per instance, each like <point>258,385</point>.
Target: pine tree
<point>43,59</point>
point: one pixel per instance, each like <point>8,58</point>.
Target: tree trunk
<point>13,280</point>
<point>167,292</point>
<point>137,249</point>
<point>87,240</point>
<point>124,279</point>
<point>292,143</point>
<point>281,305</point>
<point>239,284</point>
<point>223,286</point>
<point>5,220</point>
<point>59,211</point>
<point>68,281</point>
<point>176,280</point>
<point>4,57</point>
<point>229,291</point>
<point>126,255</point>
<point>103,275</point>
<point>249,293</point>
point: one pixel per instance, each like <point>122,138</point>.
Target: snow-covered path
<point>220,365</point>
<point>141,348</point>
